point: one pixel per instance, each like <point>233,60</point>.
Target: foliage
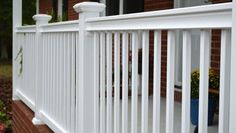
<point>29,10</point>
<point>6,18</point>
<point>5,69</point>
<point>29,7</point>
<point>56,18</point>
<point>213,82</point>
<point>4,118</point>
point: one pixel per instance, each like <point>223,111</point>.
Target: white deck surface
<point>177,117</point>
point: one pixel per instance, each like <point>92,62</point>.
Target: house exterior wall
<point>45,6</point>
<point>215,49</point>
<point>72,15</point>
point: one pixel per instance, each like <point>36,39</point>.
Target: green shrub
<point>4,118</point>
<point>213,83</point>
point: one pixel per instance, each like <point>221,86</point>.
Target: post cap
<point>42,17</point>
<point>89,7</point>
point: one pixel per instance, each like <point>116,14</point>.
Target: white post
<point>37,6</point>
<point>17,21</point>
<point>40,19</point>
<point>84,67</point>
<point>59,9</point>
<point>232,115</point>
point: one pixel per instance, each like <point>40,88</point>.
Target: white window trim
<point>59,8</point>
<point>37,6</point>
<point>121,7</point>
<point>178,82</point>
<point>121,10</point>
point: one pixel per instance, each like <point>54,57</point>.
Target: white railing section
<point>25,62</point>
<point>119,29</point>
<point>58,80</point>
<point>77,75</point>
<point>68,26</point>
<point>57,74</point>
<point>46,82</point>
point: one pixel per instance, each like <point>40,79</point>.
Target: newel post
<point>84,67</point>
<point>41,19</point>
<point>232,115</point>
<point>17,21</point>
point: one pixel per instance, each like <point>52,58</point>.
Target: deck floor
<point>177,117</point>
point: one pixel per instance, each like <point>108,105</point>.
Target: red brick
<point>45,6</point>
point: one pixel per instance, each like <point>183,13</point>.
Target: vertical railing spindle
<point>186,82</point>
<point>134,108</point>
<point>117,83</point>
<point>224,81</point>
<point>204,70</point>
<point>157,82</point>
<point>96,82</point>
<point>109,81</point>
<point>102,83</point>
<point>145,77</point>
<point>125,83</point>
<point>170,82</point>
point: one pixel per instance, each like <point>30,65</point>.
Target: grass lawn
<point>5,69</point>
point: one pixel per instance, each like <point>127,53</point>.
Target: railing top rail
<point>26,29</point>
<point>67,26</point>
<point>208,16</point>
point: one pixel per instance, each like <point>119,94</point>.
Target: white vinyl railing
<point>72,81</point>
<point>58,79</point>
<point>46,82</point>
<point>124,26</point>
<point>25,62</point>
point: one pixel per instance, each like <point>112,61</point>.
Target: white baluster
<point>134,110</point>
<point>186,89</point>
<point>170,82</point>
<point>96,82</point>
<point>157,82</point>
<point>203,88</point>
<point>109,81</point>
<point>224,81</point>
<point>125,83</point>
<point>145,77</point>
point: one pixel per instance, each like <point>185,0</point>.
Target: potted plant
<point>213,85</point>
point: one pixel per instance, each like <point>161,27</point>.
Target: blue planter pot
<point>194,111</point>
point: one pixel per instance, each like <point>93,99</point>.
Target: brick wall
<point>72,15</point>
<point>150,5</point>
<point>22,120</point>
<point>220,1</point>
<point>215,48</point>
<point>45,6</point>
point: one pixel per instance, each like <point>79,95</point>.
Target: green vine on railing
<point>20,55</point>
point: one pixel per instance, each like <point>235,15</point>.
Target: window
<point>115,7</point>
<point>132,7</point>
<point>65,10</point>
<point>55,8</point>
